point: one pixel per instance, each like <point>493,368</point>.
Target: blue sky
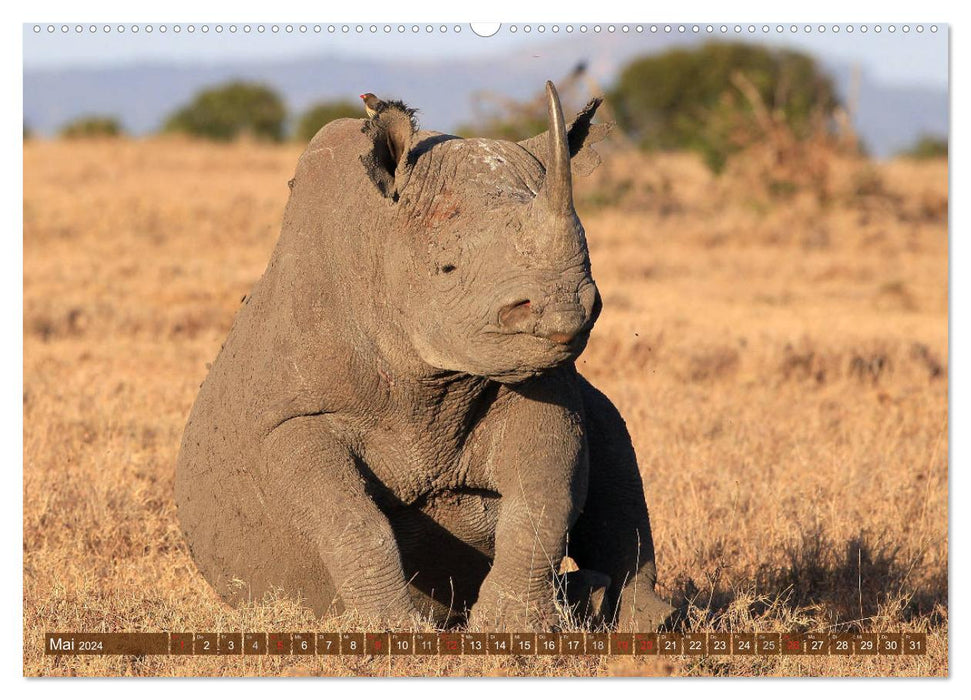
<point>895,58</point>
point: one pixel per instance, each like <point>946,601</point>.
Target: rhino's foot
<point>642,611</point>
<point>584,593</point>
<point>499,611</point>
<point>399,614</point>
<point>507,620</point>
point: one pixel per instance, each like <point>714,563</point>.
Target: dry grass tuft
<point>779,353</point>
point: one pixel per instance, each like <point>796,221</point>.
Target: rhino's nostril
<point>515,314</point>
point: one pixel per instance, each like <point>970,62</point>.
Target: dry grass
<point>779,353</point>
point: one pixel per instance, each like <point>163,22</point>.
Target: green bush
<point>229,111</point>
<point>324,113</point>
<point>91,127</point>
<point>927,147</point>
<point>687,99</point>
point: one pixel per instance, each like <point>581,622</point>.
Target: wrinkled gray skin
<point>389,426</point>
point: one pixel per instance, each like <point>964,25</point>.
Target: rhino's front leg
<point>539,464</point>
<point>325,498</point>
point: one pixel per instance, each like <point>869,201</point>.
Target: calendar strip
<point>484,644</point>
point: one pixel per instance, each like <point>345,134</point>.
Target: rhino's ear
<point>581,135</point>
<point>391,131</point>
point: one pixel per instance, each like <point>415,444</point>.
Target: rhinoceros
<point>395,424</point>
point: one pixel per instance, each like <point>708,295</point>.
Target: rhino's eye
<point>447,268</point>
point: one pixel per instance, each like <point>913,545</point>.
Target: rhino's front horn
<point>558,187</point>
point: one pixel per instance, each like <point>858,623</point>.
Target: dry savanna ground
<point>777,344</point>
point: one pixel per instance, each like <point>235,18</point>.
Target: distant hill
<point>889,117</point>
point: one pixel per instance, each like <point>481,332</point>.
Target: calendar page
<point>517,349</point>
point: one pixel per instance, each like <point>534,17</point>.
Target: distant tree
<point>90,127</point>
<point>324,113</point>
<point>226,112</point>
<point>28,132</point>
<point>690,98</point>
<point>927,147</point>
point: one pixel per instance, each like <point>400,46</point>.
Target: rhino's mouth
<point>574,346</point>
<point>552,352</point>
<point>527,356</point>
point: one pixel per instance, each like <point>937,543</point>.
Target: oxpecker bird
<point>372,104</point>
